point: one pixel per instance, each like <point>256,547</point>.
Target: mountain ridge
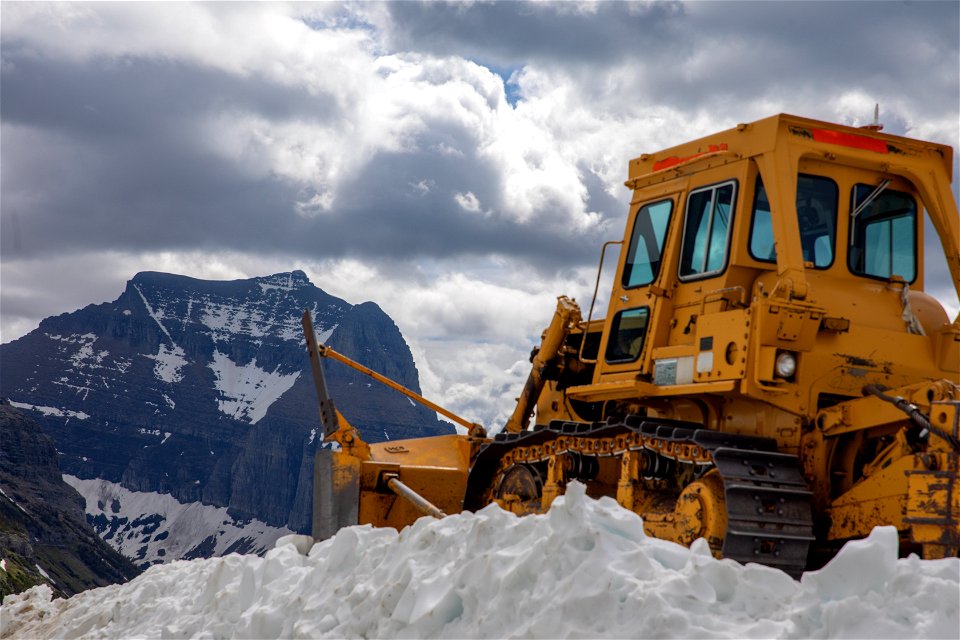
<point>202,389</point>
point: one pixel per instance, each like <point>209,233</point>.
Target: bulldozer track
<point>768,503</point>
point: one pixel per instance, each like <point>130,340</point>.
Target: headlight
<point>785,365</point>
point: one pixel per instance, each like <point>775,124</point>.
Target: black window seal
<point>645,335</point>
<point>917,223</point>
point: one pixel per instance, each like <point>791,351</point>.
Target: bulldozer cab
<point>803,220</point>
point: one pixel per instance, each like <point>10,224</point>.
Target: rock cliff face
<point>44,535</point>
<point>202,389</point>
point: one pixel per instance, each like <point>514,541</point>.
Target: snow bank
<point>585,569</point>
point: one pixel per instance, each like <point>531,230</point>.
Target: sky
<point>458,164</point>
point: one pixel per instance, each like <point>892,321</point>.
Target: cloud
<point>467,201</point>
<point>269,160</point>
<point>460,164</point>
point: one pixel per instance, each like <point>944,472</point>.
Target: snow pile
<point>585,569</point>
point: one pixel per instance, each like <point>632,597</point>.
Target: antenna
<point>876,126</point>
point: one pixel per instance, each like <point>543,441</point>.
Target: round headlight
<point>785,365</point>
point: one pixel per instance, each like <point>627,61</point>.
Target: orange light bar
<point>673,161</point>
<point>850,140</point>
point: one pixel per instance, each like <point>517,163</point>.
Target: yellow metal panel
<point>437,451</point>
<point>933,505</point>
<point>727,333</point>
<point>444,487</point>
<point>878,500</point>
<point>435,467</point>
<point>639,389</point>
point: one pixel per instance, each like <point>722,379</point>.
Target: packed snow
<point>284,283</point>
<point>150,527</point>
<point>584,569</point>
<point>15,503</point>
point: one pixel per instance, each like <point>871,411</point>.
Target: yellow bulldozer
<point>769,374</point>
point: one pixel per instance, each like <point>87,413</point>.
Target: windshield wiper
<point>870,198</point>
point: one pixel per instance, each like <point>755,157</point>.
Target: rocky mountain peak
<point>287,281</point>
<point>202,390</point>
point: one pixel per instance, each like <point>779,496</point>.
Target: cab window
<point>706,231</point>
<point>883,236</point>
<point>646,244</point>
<point>817,199</point>
<point>627,332</point>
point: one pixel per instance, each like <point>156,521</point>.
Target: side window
<point>816,214</point>
<point>646,244</point>
<point>761,230</point>
<point>883,236</point>
<point>627,332</point>
<point>706,231</point>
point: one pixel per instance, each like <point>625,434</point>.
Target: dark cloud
<point>109,155</point>
<point>505,34</point>
<point>394,219</point>
<point>706,55</point>
<point>105,99</point>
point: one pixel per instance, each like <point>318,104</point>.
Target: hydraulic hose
<point>920,421</point>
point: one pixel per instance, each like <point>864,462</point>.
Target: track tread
<point>768,503</point>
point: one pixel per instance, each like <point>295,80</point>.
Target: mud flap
<point>336,492</point>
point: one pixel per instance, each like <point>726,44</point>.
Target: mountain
<point>201,391</point>
<point>44,535</point>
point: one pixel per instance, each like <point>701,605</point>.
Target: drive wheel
<point>701,512</point>
<point>520,489</point>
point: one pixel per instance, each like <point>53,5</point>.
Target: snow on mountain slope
<point>169,363</point>
<point>51,411</point>
<point>247,391</point>
<point>585,569</point>
<point>151,528</point>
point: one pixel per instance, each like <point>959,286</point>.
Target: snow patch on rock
<point>169,362</point>
<point>151,528</point>
<point>85,356</point>
<point>228,320</point>
<point>51,411</point>
<point>247,391</point>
